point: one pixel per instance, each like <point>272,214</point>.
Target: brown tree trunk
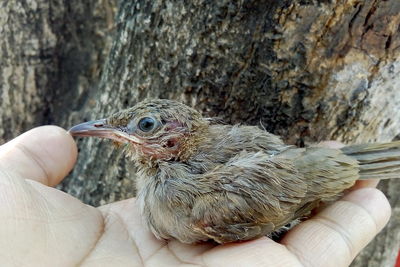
<point>307,70</point>
<point>51,55</point>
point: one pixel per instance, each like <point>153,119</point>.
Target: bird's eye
<point>147,124</point>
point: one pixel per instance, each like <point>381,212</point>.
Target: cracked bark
<point>51,55</point>
<point>307,70</point>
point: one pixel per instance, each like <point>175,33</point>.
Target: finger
<point>45,154</point>
<point>337,234</point>
<point>258,252</point>
<point>365,183</point>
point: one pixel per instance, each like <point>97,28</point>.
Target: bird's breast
<point>166,205</point>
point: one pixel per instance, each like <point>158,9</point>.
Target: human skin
<point>43,226</point>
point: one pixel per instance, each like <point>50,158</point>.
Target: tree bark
<point>306,70</point>
<point>51,55</point>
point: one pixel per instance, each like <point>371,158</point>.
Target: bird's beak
<point>100,128</point>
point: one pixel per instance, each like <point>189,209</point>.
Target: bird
<point>199,180</point>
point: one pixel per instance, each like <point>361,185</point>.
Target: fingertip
<point>64,150</point>
<point>45,154</point>
<point>364,183</point>
<point>374,202</point>
<point>340,231</point>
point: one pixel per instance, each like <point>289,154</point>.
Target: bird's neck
<point>190,144</point>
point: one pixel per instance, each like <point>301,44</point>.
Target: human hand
<point>42,226</point>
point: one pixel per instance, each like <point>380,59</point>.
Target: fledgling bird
<point>199,180</point>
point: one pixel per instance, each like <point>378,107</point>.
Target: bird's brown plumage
<point>198,180</point>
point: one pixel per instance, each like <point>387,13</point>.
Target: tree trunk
<point>306,70</point>
<point>51,54</point>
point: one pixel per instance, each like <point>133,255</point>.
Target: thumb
<point>45,154</point>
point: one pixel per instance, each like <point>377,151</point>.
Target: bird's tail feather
<point>377,161</point>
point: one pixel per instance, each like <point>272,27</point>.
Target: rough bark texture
<point>51,55</point>
<point>306,70</point>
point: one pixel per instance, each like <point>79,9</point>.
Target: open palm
<point>42,226</point>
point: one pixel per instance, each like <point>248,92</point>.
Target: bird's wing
<point>327,171</point>
<point>252,195</point>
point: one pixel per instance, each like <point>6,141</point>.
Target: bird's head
<point>154,129</point>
